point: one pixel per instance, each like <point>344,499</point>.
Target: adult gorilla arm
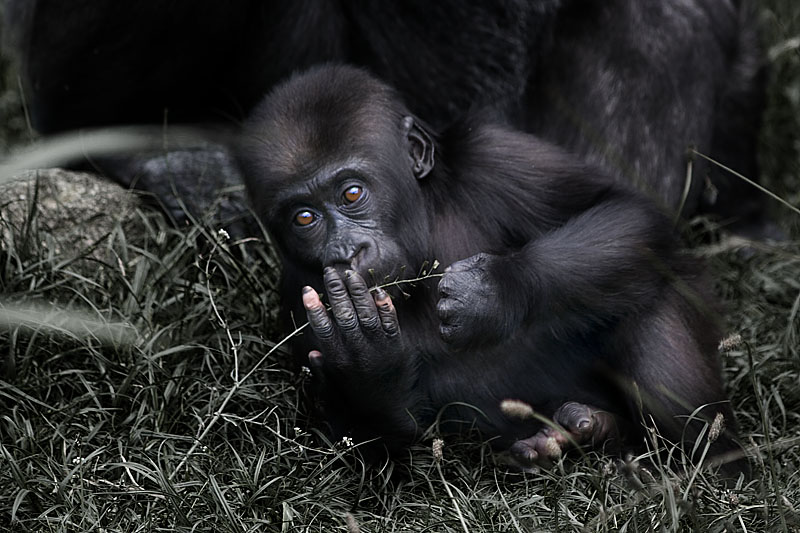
<point>624,84</point>
<point>93,63</point>
<point>621,85</point>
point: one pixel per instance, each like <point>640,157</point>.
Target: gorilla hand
<point>362,352</point>
<point>474,307</point>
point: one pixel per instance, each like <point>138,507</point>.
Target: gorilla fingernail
<point>311,300</point>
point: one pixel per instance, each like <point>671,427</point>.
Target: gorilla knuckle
<point>356,284</point>
<point>347,322</point>
<point>454,283</point>
<point>391,328</point>
<point>344,312</point>
<point>323,331</point>
<point>334,284</point>
<point>388,317</point>
<point>318,318</point>
<point>337,290</point>
<point>371,323</point>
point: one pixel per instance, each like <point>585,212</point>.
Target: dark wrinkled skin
<point>357,327</point>
<point>561,289</point>
<point>573,424</point>
<point>471,307</point>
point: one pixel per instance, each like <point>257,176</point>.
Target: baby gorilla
<point>563,290</point>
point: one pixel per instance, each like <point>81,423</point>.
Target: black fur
<point>628,85</point>
<point>562,285</point>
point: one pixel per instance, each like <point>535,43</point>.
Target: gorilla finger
<point>317,365</point>
<point>317,316</point>
<point>588,424</point>
<point>341,305</point>
<point>316,362</point>
<point>362,301</point>
<point>549,446</point>
<point>387,313</point>
<point>541,449</point>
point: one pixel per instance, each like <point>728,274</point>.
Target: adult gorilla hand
<point>475,306</point>
<point>362,351</point>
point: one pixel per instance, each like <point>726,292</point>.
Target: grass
<point>102,432</point>
<point>96,435</point>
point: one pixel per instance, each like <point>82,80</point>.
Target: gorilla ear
<point>420,148</point>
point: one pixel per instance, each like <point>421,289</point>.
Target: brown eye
<point>304,218</point>
<point>353,193</point>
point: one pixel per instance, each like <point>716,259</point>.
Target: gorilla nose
<point>358,257</point>
<point>343,257</point>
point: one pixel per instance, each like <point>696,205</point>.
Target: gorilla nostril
<point>344,257</point>
<point>358,257</point>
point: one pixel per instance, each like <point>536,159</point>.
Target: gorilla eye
<point>304,218</point>
<point>351,194</point>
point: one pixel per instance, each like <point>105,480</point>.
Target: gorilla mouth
<point>374,276</point>
<point>376,266</point>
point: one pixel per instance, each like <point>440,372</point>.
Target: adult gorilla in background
<point>629,85</point>
<point>562,288</point>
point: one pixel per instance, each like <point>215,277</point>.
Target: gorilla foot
<point>574,424</point>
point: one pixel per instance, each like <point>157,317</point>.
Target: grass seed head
<point>516,409</point>
<point>352,524</point>
<point>436,448</point>
<point>729,343</point>
<point>717,427</point>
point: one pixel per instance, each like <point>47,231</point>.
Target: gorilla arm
<point>596,253</point>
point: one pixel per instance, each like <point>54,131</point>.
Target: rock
<point>70,214</point>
